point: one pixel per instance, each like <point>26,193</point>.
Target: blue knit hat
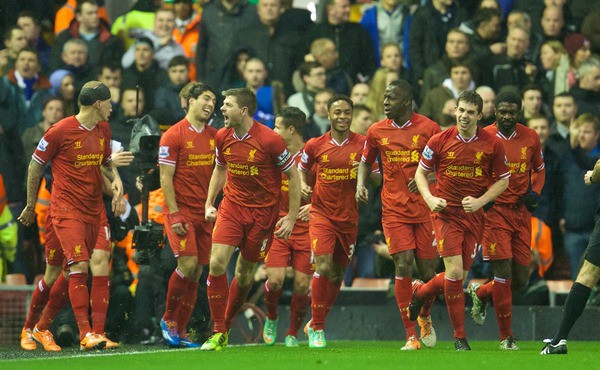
<point>56,79</point>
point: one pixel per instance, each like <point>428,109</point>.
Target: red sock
<point>426,308</point>
<point>217,289</point>
<point>57,299</point>
<point>333,290</point>
<point>237,297</point>
<point>38,302</point>
<point>188,302</point>
<point>298,311</point>
<point>485,291</point>
<point>271,300</point>
<point>177,289</point>
<point>455,303</point>
<point>432,288</point>
<point>80,301</point>
<point>320,289</point>
<point>502,296</point>
<point>403,290</point>
<point>99,301</point>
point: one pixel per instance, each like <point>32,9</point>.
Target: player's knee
<point>301,286</point>
<point>275,283</point>
<point>217,265</point>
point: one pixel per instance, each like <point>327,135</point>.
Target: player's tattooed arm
<point>34,176</point>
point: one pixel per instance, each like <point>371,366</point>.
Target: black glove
<point>531,200</point>
<point>488,206</point>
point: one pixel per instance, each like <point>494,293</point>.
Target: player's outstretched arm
<point>34,176</point>
<point>471,204</point>
<point>362,193</point>
<point>435,204</point>
<point>217,181</point>
<point>285,225</point>
<point>178,222</point>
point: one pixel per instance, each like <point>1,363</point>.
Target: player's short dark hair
<point>305,68</point>
<point>339,97</point>
<point>293,117</point>
<point>81,2</point>
<point>471,97</point>
<point>508,96</point>
<point>404,87</point>
<point>244,98</point>
<point>197,89</point>
<point>179,60</point>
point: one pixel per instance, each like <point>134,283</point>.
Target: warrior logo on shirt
<point>251,155</point>
<point>78,145</point>
<point>523,152</point>
<point>451,155</point>
<point>227,151</point>
<point>189,144</point>
<point>415,141</point>
<point>385,141</point>
<point>324,158</point>
<point>478,156</point>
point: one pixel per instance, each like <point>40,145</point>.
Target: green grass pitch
<point>339,355</point>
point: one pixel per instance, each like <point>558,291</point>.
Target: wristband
<point>177,218</point>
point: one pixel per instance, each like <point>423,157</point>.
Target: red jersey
<point>333,194</point>
<point>76,153</point>
<point>192,152</point>
<point>400,148</point>
<point>524,155</point>
<point>300,227</point>
<point>464,167</point>
<point>254,163</point>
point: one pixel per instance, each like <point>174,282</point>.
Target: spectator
<point>352,41</point>
<point>578,49</point>
<point>359,93</point>
<point>374,100</point>
<point>280,48</point>
<point>66,14</point>
<point>461,79</point>
<point>488,113</point>
<point>362,119</point>
<point>75,59</point>
<point>145,71</point>
<point>590,29</point>
<point>53,112</point>
<point>165,46</point>
<point>428,31</point>
<point>221,20</point>
<point>510,68</point>
<point>166,99</point>
<point>469,26</point>
<point>93,31</point>
<point>318,123</point>
<point>457,48</point>
<point>579,202</point>
<point>187,21</point>
<point>532,103</point>
<point>30,24</point>
<point>325,53</point>
<point>587,93</point>
<point>269,99</point>
<point>388,21</point>
<point>520,18</point>
<point>564,110</point>
<point>22,94</point>
<point>111,75</point>
<point>553,23</point>
<point>552,76</point>
<point>139,18</point>
<point>130,109</point>
<point>485,38</point>
<point>63,87</point>
<point>231,73</point>
<point>14,41</point>
<point>391,58</point>
<point>314,77</point>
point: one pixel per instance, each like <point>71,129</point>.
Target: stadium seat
<point>16,279</point>
<point>371,283</point>
<point>556,287</point>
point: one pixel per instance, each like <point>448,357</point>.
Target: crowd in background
<point>546,50</point>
